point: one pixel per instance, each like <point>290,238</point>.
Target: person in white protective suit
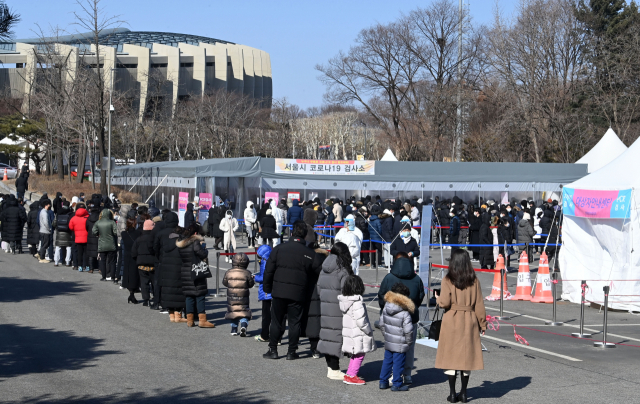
<point>352,237</point>
<point>279,216</point>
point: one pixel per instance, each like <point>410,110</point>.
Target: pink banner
<point>271,195</point>
<point>596,204</point>
<point>183,200</point>
<point>206,200</point>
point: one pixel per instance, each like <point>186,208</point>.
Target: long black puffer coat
<point>12,221</point>
<point>330,283</point>
<point>142,250</point>
<point>486,237</point>
<point>187,247</point>
<point>311,314</point>
<point>188,216</point>
<point>131,278</point>
<point>64,236</point>
<point>92,241</point>
<point>215,217</point>
<point>171,274</point>
<point>33,224</point>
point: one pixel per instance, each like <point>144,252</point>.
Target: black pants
<point>266,319</point>
<point>45,244</point>
<point>157,288</point>
<point>145,278</point>
<point>218,240</point>
<point>507,258</point>
<point>33,249</point>
<point>378,248</point>
<point>279,309</point>
<point>107,264</point>
<point>81,255</point>
<point>333,362</point>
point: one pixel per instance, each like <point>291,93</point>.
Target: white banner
<point>325,167</point>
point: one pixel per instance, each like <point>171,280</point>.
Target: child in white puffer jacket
<point>357,334</point>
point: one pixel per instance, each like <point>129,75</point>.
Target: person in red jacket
<point>78,225</point>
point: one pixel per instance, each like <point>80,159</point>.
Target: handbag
<point>199,268</point>
<point>436,324</point>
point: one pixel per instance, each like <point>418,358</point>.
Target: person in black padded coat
<point>92,240</point>
<point>311,314</point>
<point>486,237</point>
<point>172,298</point>
<point>215,217</point>
<point>130,276</point>
<point>142,252</point>
<point>190,247</point>
<point>33,227</point>
<point>12,221</point>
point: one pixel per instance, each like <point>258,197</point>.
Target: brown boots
<point>172,316</point>
<point>190,322</point>
<point>202,321</point>
<point>178,317</point>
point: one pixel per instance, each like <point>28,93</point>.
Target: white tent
<point>605,151</point>
<point>389,156</point>
<point>601,233</point>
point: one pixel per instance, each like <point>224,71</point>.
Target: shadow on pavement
<point>498,389</point>
<point>13,290</point>
<point>177,395</point>
<point>26,350</point>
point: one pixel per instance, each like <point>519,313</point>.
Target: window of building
<point>210,63</point>
<point>186,64</point>
<point>158,64</point>
<point>126,65</point>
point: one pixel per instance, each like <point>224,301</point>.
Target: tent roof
<point>621,173</point>
<point>389,156</point>
<point>605,151</point>
<point>390,171</point>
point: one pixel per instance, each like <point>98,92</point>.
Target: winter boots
<point>178,317</point>
<point>202,321</point>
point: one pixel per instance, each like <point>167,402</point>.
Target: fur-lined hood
<point>397,303</point>
<point>188,241</point>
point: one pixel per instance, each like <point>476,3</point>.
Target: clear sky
<point>297,34</point>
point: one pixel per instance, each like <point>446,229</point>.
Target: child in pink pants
<point>357,335</point>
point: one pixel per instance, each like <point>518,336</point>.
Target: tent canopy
<point>605,151</point>
<point>385,171</point>
<point>389,156</point>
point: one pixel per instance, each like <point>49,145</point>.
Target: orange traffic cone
<point>495,290</point>
<point>523,290</point>
<point>543,282</point>
<point>5,178</point>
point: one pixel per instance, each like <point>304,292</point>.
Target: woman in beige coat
<point>459,347</point>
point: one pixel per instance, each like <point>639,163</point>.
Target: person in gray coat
<point>335,270</point>
<point>526,233</point>
<point>397,328</point>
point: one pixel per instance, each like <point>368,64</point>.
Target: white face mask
<point>229,216</point>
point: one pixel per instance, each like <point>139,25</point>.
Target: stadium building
<point>133,61</point>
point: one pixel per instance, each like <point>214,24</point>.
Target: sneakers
<point>292,356</point>
<point>45,261</point>
<point>316,354</point>
<point>401,388</point>
<point>243,331</point>
<point>226,258</point>
<point>109,278</point>
<point>407,380</point>
<point>164,311</point>
<point>384,384</point>
<point>355,380</point>
<point>260,339</point>
<point>335,374</point>
<point>234,332</point>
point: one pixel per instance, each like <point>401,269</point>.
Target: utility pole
<point>459,111</point>
<point>111,109</point>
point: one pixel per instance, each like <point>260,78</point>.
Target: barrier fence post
<point>370,256</point>
<point>377,267</point>
<point>217,275</point>
<point>429,282</point>
<point>554,286</point>
<point>255,263</point>
<point>502,276</point>
<point>581,334</point>
<point>604,343</point>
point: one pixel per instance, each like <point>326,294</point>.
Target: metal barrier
<point>604,343</point>
<point>554,287</point>
<point>255,266</point>
<point>582,334</point>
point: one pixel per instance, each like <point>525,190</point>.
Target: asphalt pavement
<point>66,337</point>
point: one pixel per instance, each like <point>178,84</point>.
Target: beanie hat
<point>526,216</point>
<point>148,225</point>
<point>269,211</point>
<point>74,200</point>
<point>157,219</point>
<point>240,260</point>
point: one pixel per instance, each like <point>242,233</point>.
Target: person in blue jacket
<point>295,212</point>
<point>263,253</point>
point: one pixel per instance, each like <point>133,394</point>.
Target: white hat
<point>269,211</point>
<point>420,200</point>
<point>349,218</point>
<point>386,211</point>
<point>74,200</point>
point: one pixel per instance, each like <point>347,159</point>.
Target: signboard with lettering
<point>325,167</point>
<point>597,204</point>
<point>206,200</point>
<point>183,200</point>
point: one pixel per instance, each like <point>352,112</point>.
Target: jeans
<point>410,353</point>
<point>57,255</point>
<point>393,361</point>
<point>45,245</point>
<point>194,302</point>
<point>354,364</point>
<point>81,256</point>
<point>241,322</point>
<point>279,309</point>
<point>107,262</point>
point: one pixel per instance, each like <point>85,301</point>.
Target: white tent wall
<point>599,249</point>
<point>605,151</point>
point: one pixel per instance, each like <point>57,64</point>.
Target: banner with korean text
<point>325,167</point>
<point>597,204</point>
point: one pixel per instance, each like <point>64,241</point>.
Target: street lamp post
<point>111,109</point>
